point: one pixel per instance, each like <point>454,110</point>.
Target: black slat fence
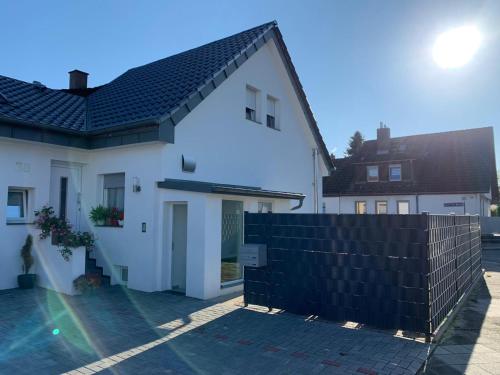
<point>390,271</point>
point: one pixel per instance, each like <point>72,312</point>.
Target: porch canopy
<point>216,188</point>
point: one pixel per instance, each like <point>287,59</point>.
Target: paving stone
<point>128,332</point>
<point>472,343</point>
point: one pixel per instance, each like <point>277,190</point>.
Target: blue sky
<point>360,62</point>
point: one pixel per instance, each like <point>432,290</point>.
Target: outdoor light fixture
<point>136,185</point>
<point>188,165</point>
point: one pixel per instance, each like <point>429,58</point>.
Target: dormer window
<point>372,173</point>
<point>395,172</point>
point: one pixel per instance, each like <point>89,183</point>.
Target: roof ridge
<point>274,23</point>
<point>197,90</point>
<point>436,133</point>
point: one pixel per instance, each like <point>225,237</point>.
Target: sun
<point>456,47</point>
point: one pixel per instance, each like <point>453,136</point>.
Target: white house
<point>181,146</point>
<point>441,173</point>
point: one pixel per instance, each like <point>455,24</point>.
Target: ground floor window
<point>114,197</point>
<point>231,240</point>
<point>403,207</point>
<point>381,207</point>
<point>17,202</point>
<point>360,207</point>
<point>265,207</point>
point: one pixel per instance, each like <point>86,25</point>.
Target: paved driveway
<point>119,331</point>
<point>472,343</point>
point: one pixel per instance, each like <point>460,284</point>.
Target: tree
<point>355,143</point>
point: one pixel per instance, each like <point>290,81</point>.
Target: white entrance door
<point>65,191</point>
<point>179,244</point>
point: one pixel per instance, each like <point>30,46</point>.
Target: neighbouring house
<point>179,148</point>
<point>439,173</point>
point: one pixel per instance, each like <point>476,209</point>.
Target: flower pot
<point>120,223</point>
<point>100,222</point>
<point>26,281</point>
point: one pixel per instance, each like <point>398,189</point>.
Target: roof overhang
<point>146,131</point>
<point>217,188</point>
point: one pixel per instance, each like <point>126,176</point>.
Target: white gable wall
<point>230,149</point>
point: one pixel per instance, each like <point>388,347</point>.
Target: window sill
<point>19,223</point>
<point>254,121</point>
<point>108,226</point>
<point>277,129</point>
<point>229,284</point>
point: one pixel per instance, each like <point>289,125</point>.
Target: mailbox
<point>254,255</point>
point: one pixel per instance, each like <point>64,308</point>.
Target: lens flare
<point>456,47</point>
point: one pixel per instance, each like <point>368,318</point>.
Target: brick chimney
<point>77,80</point>
<point>383,138</point>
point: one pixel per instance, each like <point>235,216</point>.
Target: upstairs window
<point>272,113</point>
<point>360,207</point>
<point>381,207</point>
<point>114,191</point>
<point>372,173</point>
<point>17,202</point>
<point>403,207</point>
<point>251,106</point>
<point>395,172</point>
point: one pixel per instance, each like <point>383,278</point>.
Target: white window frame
<point>25,217</point>
<point>403,201</point>
<point>275,103</point>
<point>386,207</point>
<point>400,172</point>
<point>372,179</point>
<point>356,211</point>
<point>119,270</point>
<point>257,103</point>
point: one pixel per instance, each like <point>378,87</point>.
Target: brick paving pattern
<point>119,331</point>
<point>472,343</point>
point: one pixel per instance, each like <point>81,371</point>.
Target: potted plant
<point>27,280</point>
<point>114,217</point>
<point>98,215</point>
<point>120,218</point>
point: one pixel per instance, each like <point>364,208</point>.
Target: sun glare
<point>456,47</point>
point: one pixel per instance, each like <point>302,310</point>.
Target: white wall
<point>230,149</point>
<point>227,149</point>
<point>204,219</point>
<point>55,273</point>
<point>347,204</point>
<point>126,246</point>
<point>25,165</point>
<point>434,203</point>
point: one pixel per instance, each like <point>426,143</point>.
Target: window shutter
<point>251,99</point>
<point>113,181</point>
<point>271,107</point>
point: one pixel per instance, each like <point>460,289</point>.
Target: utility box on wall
<point>253,255</point>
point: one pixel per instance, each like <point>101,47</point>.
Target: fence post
<point>455,251</point>
<point>269,237</point>
<point>425,226</point>
<point>245,220</point>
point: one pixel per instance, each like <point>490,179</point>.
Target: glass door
<point>231,240</point>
